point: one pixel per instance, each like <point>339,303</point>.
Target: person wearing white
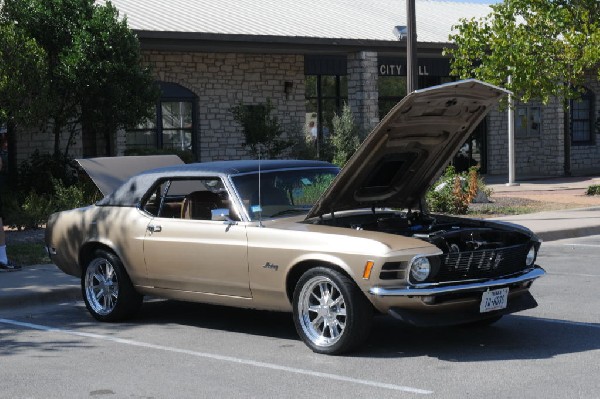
<point>5,266</point>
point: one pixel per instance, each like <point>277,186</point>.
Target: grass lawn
<point>25,254</point>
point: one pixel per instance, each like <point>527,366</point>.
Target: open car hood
<point>408,150</point>
<point>111,172</point>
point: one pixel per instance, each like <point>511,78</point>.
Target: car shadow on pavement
<point>512,338</point>
<point>214,317</point>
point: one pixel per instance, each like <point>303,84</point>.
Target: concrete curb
<point>548,236</point>
<point>23,298</point>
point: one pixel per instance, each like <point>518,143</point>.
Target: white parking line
<point>572,274</point>
<point>583,245</point>
<point>246,362</point>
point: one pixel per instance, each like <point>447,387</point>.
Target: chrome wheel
<point>322,311</point>
<point>101,286</point>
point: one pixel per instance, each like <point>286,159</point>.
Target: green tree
<point>22,83</point>
<point>92,60</point>
<point>120,92</point>
<point>262,131</point>
<point>540,43</point>
<point>546,46</point>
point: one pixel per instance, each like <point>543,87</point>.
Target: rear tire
<point>331,314</point>
<point>107,290</point>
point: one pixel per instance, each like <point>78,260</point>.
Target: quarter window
<point>193,199</point>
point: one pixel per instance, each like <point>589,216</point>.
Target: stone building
<point>308,58</point>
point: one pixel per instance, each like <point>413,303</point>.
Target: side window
<point>192,199</point>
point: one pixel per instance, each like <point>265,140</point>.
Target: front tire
<point>107,290</point>
<point>331,314</point>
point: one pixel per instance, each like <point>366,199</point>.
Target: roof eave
<point>201,41</point>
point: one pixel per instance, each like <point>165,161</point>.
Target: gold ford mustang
<point>333,247</point>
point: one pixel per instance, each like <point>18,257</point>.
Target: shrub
<point>81,194</point>
<point>302,147</point>
<point>37,172</point>
<point>593,190</point>
<point>46,184</point>
<point>454,191</point>
<point>345,139</point>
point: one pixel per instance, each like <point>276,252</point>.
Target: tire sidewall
<point>358,312</point>
<point>128,300</point>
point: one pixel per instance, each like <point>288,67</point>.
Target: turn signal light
<point>367,271</point>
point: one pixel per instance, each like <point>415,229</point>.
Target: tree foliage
<point>262,131</point>
<point>545,45</point>
<point>89,64</point>
<point>345,138</point>
<point>22,78</point>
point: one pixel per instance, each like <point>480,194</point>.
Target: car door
<point>192,245</point>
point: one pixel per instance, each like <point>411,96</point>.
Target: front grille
<point>487,263</point>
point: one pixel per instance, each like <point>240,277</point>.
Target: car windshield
<point>282,192</point>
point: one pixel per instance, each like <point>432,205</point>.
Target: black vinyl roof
<point>240,166</point>
<point>131,192</point>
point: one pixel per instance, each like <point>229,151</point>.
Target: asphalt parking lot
<point>178,349</point>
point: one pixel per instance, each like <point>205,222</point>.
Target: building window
<point>172,127</point>
<point>582,117</point>
<point>391,89</point>
<point>527,121</point>
<point>177,124</point>
<point>325,96</point>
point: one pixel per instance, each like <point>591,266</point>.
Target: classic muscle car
<point>332,246</point>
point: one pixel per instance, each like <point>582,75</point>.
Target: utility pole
<point>511,139</point>
<point>411,48</point>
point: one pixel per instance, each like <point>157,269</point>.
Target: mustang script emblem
<point>270,265</point>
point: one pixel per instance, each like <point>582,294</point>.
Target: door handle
<point>154,228</point>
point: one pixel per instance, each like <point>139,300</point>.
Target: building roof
<point>369,20</point>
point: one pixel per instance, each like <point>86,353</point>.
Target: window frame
<point>588,96</point>
<point>170,93</point>
<point>320,98</point>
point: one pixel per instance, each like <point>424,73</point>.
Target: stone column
<point>362,89</point>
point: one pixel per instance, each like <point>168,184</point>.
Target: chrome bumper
<point>527,276</point>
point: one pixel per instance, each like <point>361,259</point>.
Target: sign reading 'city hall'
<point>388,66</point>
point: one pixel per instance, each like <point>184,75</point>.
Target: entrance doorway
<point>474,151</point>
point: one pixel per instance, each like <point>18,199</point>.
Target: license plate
<point>494,300</point>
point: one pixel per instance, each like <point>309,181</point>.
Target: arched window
<point>582,119</point>
<point>174,124</point>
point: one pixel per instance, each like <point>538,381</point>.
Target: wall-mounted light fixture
<point>401,32</point>
<point>287,88</point>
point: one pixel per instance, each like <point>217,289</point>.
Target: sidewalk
<point>554,225</point>
<point>498,183</point>
<point>36,285</point>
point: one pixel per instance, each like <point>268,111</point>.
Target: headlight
<point>530,256</point>
<point>420,268</point>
